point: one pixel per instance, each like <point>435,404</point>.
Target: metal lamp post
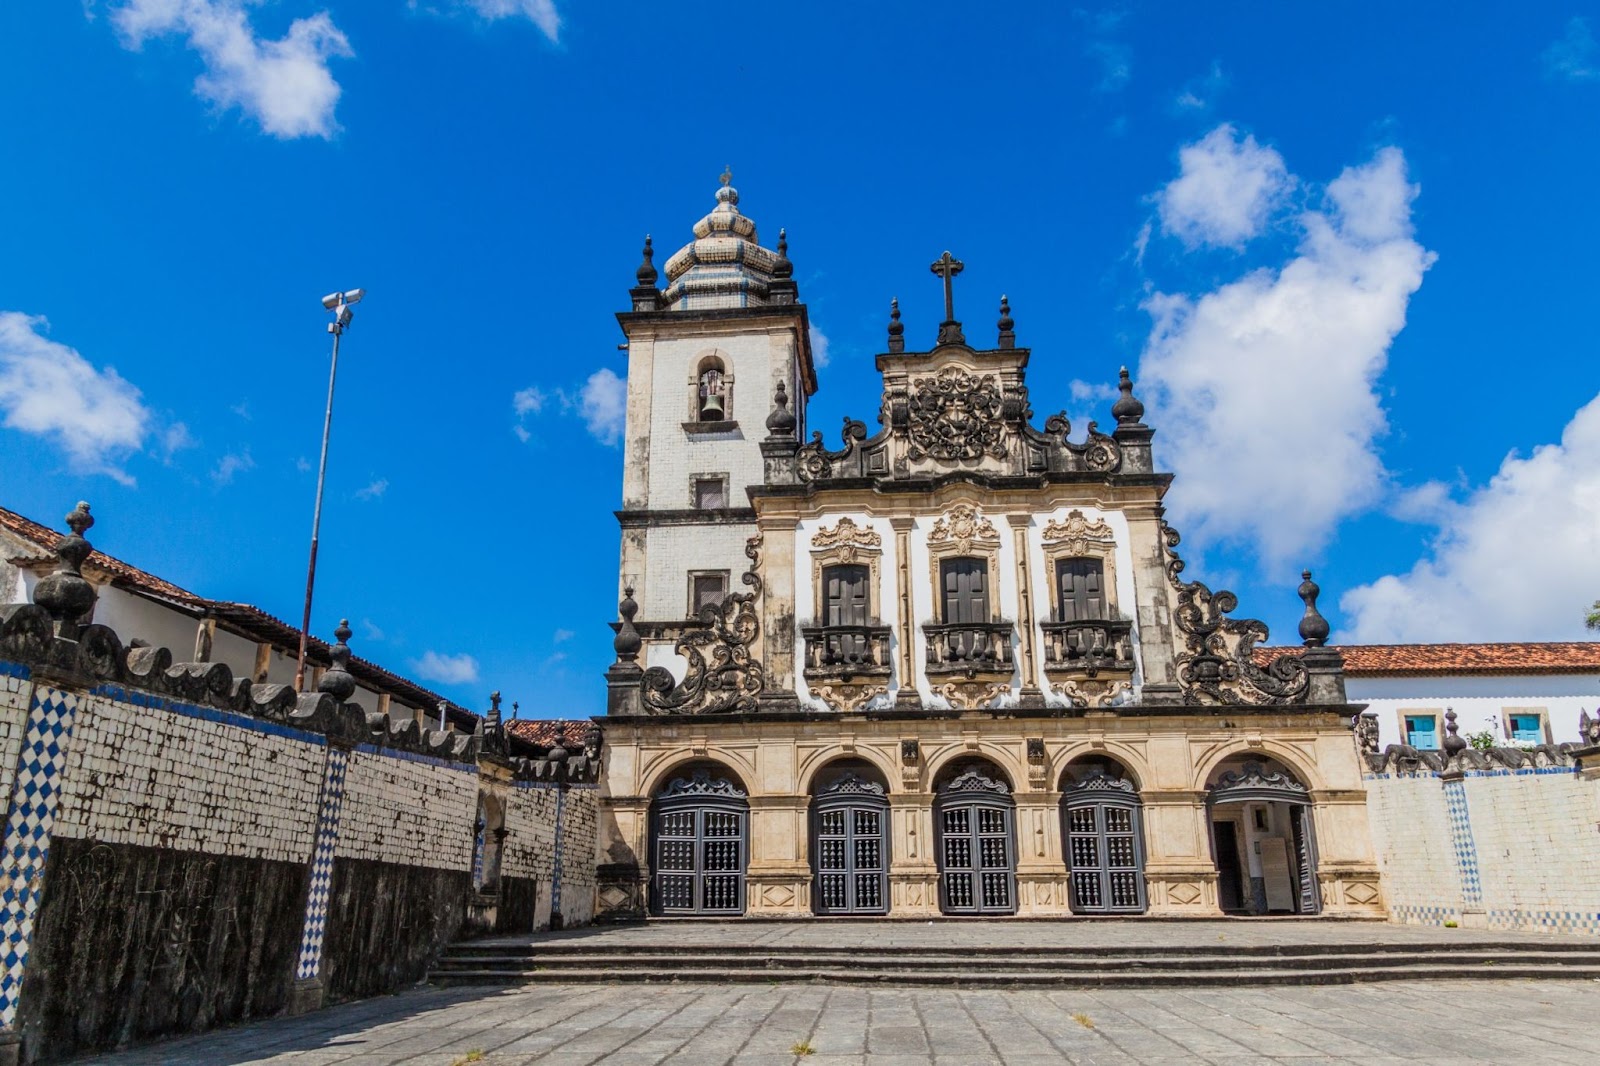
<point>339,303</point>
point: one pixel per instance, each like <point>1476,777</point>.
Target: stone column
<point>778,878</point>
<point>907,698</point>
<point>308,992</point>
<point>30,820</point>
<point>1031,695</point>
<point>1180,875</point>
<point>1041,867</point>
<point>913,868</point>
<point>1153,598</point>
<point>777,606</point>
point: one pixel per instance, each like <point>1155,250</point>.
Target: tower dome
<point>725,265</point>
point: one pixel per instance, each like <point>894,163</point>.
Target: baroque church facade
<point>949,667</point>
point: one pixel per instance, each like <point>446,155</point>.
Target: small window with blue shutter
<point>1422,732</point>
<point>1526,728</point>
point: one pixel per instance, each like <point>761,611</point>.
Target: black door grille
<point>977,850</point>
<point>1105,855</point>
<point>700,843</point>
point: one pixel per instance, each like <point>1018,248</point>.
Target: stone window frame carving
<point>960,540</point>
<point>847,544</point>
<point>702,362</point>
<point>1543,714</point>
<point>1064,538</point>
<point>1436,713</point>
<point>709,475</point>
<point>727,587</point>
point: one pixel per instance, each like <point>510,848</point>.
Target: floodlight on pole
<point>339,303</point>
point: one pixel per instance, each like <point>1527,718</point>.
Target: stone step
<point>582,949</point>
<point>1110,978</point>
<point>966,962</point>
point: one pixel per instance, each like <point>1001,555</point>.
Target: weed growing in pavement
<point>802,1047</point>
<point>1083,1019</point>
<point>475,1055</point>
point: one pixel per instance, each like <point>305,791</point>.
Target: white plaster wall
<point>409,811</point>
<point>1411,838</point>
<point>1538,843</point>
<point>1480,702</point>
<point>924,610</point>
<point>155,778</point>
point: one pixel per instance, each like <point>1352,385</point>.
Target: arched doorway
<point>974,818</point>
<point>1262,838</point>
<point>700,830</point>
<point>850,841</point>
<point>1103,827</point>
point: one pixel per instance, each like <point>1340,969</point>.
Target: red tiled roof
<point>1399,660</point>
<point>243,618</point>
<point>545,731</point>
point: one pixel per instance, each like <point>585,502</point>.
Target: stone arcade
<point>960,671</point>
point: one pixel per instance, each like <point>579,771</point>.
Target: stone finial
<point>647,270</point>
<point>337,681</point>
<point>67,594</point>
<point>1127,410</point>
<point>781,422</point>
<point>1314,628</point>
<point>627,642</point>
<point>897,329</point>
<point>516,710</point>
<point>783,268</point>
<point>493,717</point>
<point>1008,326</point>
<point>1589,728</point>
<point>1454,742</point>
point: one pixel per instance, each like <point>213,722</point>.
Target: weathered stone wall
<point>529,868</point>
<point>411,810</point>
<point>1500,848</point>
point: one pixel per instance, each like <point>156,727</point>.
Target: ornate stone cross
<point>947,267</point>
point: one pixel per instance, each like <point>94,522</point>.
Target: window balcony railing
<point>969,647</point>
<point>846,652</point>
<point>1088,646</point>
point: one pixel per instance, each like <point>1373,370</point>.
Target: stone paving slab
<point>1427,1022</point>
<point>1056,933</point>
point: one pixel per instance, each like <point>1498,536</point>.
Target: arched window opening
<point>1262,838</point>
<point>974,817</point>
<point>712,392</point>
<point>850,840</point>
<point>1102,825</point>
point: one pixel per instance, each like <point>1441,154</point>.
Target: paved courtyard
<point>702,1025</point>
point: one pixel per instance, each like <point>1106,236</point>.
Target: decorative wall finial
<point>727,175</point>
<point>1127,410</point>
<point>1454,743</point>
<point>783,268</point>
<point>1008,336</point>
<point>627,642</point>
<point>337,681</point>
<point>647,270</point>
<point>781,422</point>
<point>897,329</point>
<point>492,726</point>
<point>67,594</point>
<point>1314,628</point>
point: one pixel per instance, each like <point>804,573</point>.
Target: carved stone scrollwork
<point>731,678</point>
<point>701,783</point>
<point>848,698</point>
<point>1365,727</point>
<point>848,538</point>
<point>814,462</point>
<point>1075,533</point>
<point>963,526</point>
<point>1092,693</point>
<point>971,695</point>
<point>974,781</point>
<point>1217,664</point>
<point>852,784</point>
<point>956,415</point>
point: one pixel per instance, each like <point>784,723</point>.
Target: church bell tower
<point>712,355</point>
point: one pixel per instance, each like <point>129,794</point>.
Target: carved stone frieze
<point>955,415</point>
<point>723,676</point>
<point>847,698</point>
<point>1092,693</point>
<point>963,525</point>
<point>847,539</point>
<point>1217,664</point>
<point>971,695</point>
<point>1075,533</point>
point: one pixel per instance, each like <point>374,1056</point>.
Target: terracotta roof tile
<point>1398,660</point>
<point>46,539</point>
<point>544,731</point>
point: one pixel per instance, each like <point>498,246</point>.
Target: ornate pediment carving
<point>846,538</point>
<point>1075,533</point>
<point>701,783</point>
<point>956,415</point>
<point>963,525</point>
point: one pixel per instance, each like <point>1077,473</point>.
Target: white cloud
<point>542,13</point>
<point>819,347</point>
<point>1264,389</point>
<point>446,669</point>
<point>1199,94</point>
<point>1518,560</point>
<point>231,464</point>
<point>49,390</point>
<point>1225,191</point>
<point>528,401</point>
<point>1574,56</point>
<point>285,85</point>
<point>174,439</point>
<point>603,402</point>
<point>373,490</point>
<point>561,636</point>
<point>370,631</point>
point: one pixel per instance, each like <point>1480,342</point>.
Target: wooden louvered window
<point>1080,590</point>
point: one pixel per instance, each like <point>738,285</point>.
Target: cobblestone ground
<point>704,1025</point>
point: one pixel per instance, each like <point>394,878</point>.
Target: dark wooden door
<point>852,857</point>
<point>700,858</point>
<point>1230,881</point>
<point>977,858</point>
<point>1080,586</point>
<point>1106,856</point>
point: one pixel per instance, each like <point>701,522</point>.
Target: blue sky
<point>1348,256</point>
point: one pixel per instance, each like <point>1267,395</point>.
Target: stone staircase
<point>538,960</point>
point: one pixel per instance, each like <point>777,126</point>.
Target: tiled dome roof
<point>725,265</point>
